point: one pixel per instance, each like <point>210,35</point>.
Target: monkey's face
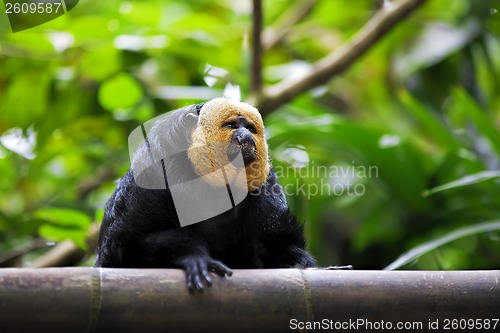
<point>224,129</point>
<point>242,138</point>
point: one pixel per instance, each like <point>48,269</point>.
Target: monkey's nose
<point>245,139</point>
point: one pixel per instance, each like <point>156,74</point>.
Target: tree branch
<point>67,253</point>
<point>93,182</point>
<point>14,257</point>
<point>337,61</point>
<point>257,48</point>
<point>275,34</point>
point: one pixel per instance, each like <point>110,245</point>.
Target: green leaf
<point>23,101</point>
<point>63,224</point>
<point>101,63</point>
<point>99,214</point>
<point>437,128</point>
<point>64,217</point>
<point>422,249</point>
<point>58,234</point>
<point>120,92</point>
<point>484,123</point>
<point>398,163</point>
<point>437,42</point>
<point>476,178</point>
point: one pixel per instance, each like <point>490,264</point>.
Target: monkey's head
<point>224,129</point>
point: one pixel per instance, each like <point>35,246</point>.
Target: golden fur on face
<point>210,141</point>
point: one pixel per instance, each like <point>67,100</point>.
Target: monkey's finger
<point>219,268</point>
<point>189,280</point>
<point>193,278</point>
<point>190,284</point>
<point>197,282</point>
<point>202,266</point>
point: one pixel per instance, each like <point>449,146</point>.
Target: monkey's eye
<point>252,129</point>
<point>231,125</point>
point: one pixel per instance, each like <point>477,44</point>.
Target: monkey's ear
<point>190,122</point>
<point>191,119</point>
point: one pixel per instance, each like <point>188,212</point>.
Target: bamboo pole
<point>156,300</point>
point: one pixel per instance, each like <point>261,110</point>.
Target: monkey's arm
<point>140,229</point>
<point>280,232</point>
<point>161,249</point>
<point>183,249</point>
<point>285,245</point>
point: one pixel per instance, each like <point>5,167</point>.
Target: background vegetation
<point>422,106</point>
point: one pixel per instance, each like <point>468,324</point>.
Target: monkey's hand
<point>197,268</point>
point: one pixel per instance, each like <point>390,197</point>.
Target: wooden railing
<point>156,300</point>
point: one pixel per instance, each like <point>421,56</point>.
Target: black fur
<point>141,229</point>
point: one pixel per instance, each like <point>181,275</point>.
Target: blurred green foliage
<point>421,109</point>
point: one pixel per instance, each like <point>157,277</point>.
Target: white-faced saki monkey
<point>201,146</point>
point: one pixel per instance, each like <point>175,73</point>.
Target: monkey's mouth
<point>248,151</point>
